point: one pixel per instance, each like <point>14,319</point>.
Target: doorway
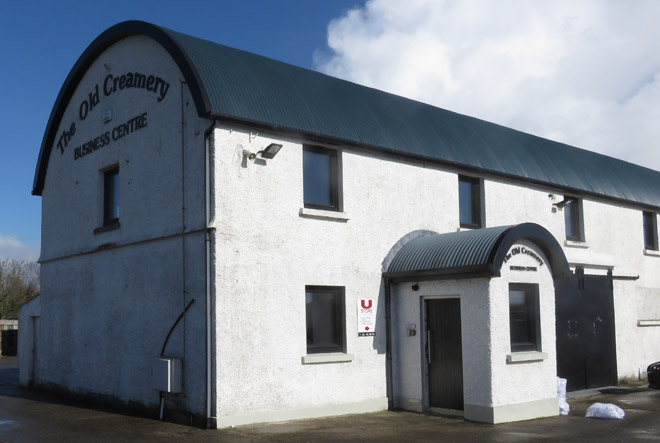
<point>586,340</point>
<point>34,363</point>
<point>444,354</point>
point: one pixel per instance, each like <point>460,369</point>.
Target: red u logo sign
<point>364,302</point>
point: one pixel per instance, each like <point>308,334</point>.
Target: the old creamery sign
<point>522,250</point>
<point>110,85</point>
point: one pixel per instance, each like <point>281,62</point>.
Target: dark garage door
<point>586,342</point>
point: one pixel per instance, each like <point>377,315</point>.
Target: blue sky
<point>40,42</point>
<point>583,72</point>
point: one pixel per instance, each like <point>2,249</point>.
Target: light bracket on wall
<point>564,202</point>
<point>249,154</point>
<point>269,152</point>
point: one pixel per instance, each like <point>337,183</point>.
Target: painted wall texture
<point>110,296</point>
<point>527,389</point>
<point>495,390</point>
<point>28,349</point>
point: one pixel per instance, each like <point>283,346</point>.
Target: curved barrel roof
<point>476,253</point>
<point>228,83</point>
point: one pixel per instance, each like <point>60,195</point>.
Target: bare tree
<point>19,283</point>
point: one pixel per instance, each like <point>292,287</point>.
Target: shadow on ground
<point>31,416</point>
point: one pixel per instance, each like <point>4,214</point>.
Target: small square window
<point>524,323</point>
<point>470,202</point>
<point>111,197</point>
<point>650,231</point>
<point>325,311</point>
<point>321,178</point>
<point>573,219</point>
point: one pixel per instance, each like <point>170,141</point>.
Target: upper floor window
<point>111,196</point>
<point>470,202</point>
<point>321,178</point>
<point>524,324</point>
<point>325,311</point>
<point>650,231</point>
<point>573,219</point>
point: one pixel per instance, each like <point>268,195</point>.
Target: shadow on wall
<point>380,340</point>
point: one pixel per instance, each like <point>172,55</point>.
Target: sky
<point>582,72</point>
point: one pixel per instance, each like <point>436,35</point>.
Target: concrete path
<point>29,416</point>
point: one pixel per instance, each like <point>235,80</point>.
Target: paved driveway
<point>29,416</point>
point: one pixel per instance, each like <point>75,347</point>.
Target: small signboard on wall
<point>366,318</point>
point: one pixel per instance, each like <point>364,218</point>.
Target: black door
<point>570,340</point>
<point>600,338</point>
<point>586,341</point>
<point>444,353</point>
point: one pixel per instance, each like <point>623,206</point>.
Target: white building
<point>391,254</point>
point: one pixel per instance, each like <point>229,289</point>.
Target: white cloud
<point>12,248</point>
<point>584,72</point>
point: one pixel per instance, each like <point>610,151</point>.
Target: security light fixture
<point>270,151</point>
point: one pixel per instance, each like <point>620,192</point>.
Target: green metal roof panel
<point>244,87</point>
<point>468,253</point>
<point>448,252</point>
<point>253,88</point>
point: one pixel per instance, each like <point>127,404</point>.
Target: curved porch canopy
<point>472,254</point>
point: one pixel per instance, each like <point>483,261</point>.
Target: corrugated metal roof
<point>478,252</point>
<point>452,253</point>
<point>241,86</point>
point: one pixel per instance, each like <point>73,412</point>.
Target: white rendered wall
<point>526,389</point>
<point>109,298</point>
<point>614,239</point>
<point>408,359</point>
<point>494,390</point>
<point>27,347</point>
<point>618,235</point>
<point>266,253</point>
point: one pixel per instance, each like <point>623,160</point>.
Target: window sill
<point>576,244</point>
<point>323,214</point>
<point>334,357</point>
<point>526,357</point>
<point>467,228</point>
<point>106,228</point>
<point>652,252</point>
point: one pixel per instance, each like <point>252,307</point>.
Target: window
<point>321,178</point>
<point>111,197</point>
<point>573,219</point>
<point>524,317</point>
<point>650,231</point>
<point>325,319</point>
<point>469,202</point>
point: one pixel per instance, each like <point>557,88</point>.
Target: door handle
<point>429,354</point>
